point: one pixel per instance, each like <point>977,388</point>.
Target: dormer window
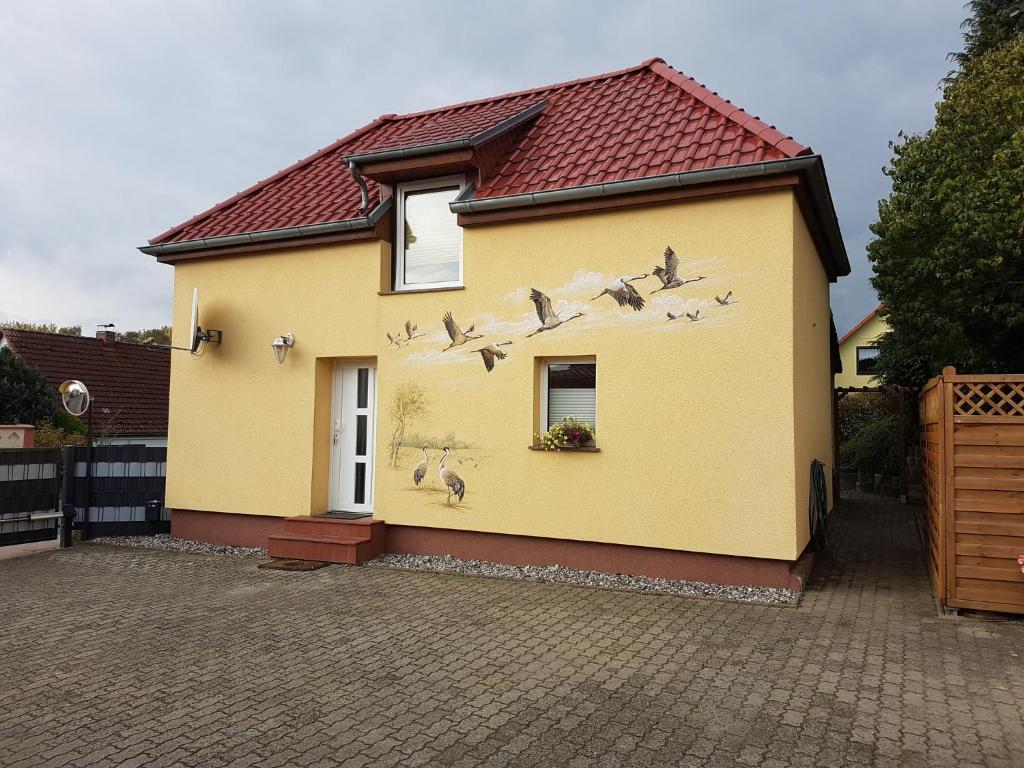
<point>428,238</point>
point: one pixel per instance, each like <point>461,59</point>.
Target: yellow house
<point>387,328</point>
<point>858,351</point>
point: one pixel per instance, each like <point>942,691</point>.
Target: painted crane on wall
<point>421,469</point>
<point>490,353</point>
<point>548,319</point>
<point>625,295</point>
<point>451,480</point>
<point>455,333</point>
<point>669,274</point>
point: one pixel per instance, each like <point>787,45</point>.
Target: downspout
<point>358,179</point>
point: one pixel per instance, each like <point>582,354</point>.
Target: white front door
<point>353,433</point>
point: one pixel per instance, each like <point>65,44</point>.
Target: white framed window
<point>568,388</point>
<point>428,238</point>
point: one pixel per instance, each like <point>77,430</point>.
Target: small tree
<point>25,397</point>
<point>49,435</point>
<point>156,336</point>
<point>407,403</point>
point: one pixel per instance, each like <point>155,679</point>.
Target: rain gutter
<point>268,235</point>
<point>810,167</point>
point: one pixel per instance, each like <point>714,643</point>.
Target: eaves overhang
<point>810,168</point>
<point>303,231</point>
<point>421,150</point>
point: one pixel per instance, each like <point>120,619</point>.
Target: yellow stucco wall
<point>701,446</point>
<point>812,379</point>
<point>865,336</point>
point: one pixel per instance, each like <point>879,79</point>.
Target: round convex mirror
<point>75,396</point>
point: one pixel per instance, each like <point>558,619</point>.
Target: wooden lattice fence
<point>972,465</point>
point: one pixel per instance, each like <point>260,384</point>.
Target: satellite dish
<point>196,335</point>
<point>194,331</point>
<point>75,396</point>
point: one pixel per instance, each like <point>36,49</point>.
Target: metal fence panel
<point>117,497</point>
<point>29,494</point>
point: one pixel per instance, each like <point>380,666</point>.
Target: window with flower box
<point>567,390</point>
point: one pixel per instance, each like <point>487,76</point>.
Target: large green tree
<point>991,24</point>
<point>25,397</point>
<point>949,249</point>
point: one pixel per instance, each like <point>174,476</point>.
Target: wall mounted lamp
<point>281,345</point>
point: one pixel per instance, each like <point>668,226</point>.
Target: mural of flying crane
<point>396,340</point>
<point>622,290</point>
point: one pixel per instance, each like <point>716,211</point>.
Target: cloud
<point>112,133</point>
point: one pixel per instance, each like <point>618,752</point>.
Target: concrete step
<point>334,549</point>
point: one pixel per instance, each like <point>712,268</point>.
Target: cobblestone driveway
<point>125,657</point>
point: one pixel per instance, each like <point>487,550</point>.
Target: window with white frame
<point>428,238</point>
<point>568,388</point>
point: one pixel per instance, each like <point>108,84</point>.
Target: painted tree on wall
<point>407,404</point>
<point>949,249</point>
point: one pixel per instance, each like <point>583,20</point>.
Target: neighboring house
<point>858,350</point>
<point>128,383</point>
<point>461,277</point>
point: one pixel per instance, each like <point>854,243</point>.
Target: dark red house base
<point>254,530</point>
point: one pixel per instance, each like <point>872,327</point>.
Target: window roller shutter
<point>579,403</point>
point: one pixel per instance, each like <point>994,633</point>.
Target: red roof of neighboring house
<point>862,323</point>
<point>646,120</point>
<point>128,382</point>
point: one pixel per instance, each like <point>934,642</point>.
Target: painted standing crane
<point>421,469</point>
<point>548,319</point>
<point>456,334</point>
<point>624,294</point>
<point>669,274</point>
<point>451,480</point>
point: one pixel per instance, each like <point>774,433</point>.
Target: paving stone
<point>116,656</point>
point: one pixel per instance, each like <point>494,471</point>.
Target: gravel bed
<point>559,575</point>
<point>167,542</point>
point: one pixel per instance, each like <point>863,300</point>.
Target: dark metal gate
<point>116,490</point>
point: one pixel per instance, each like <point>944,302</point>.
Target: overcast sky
<point>118,120</point>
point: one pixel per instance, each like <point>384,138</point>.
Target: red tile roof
<point>642,121</point>
<point>129,382</point>
<point>862,323</point>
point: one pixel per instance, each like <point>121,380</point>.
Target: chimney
<point>106,333</point>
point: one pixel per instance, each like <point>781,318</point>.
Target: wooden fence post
<point>949,487</point>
